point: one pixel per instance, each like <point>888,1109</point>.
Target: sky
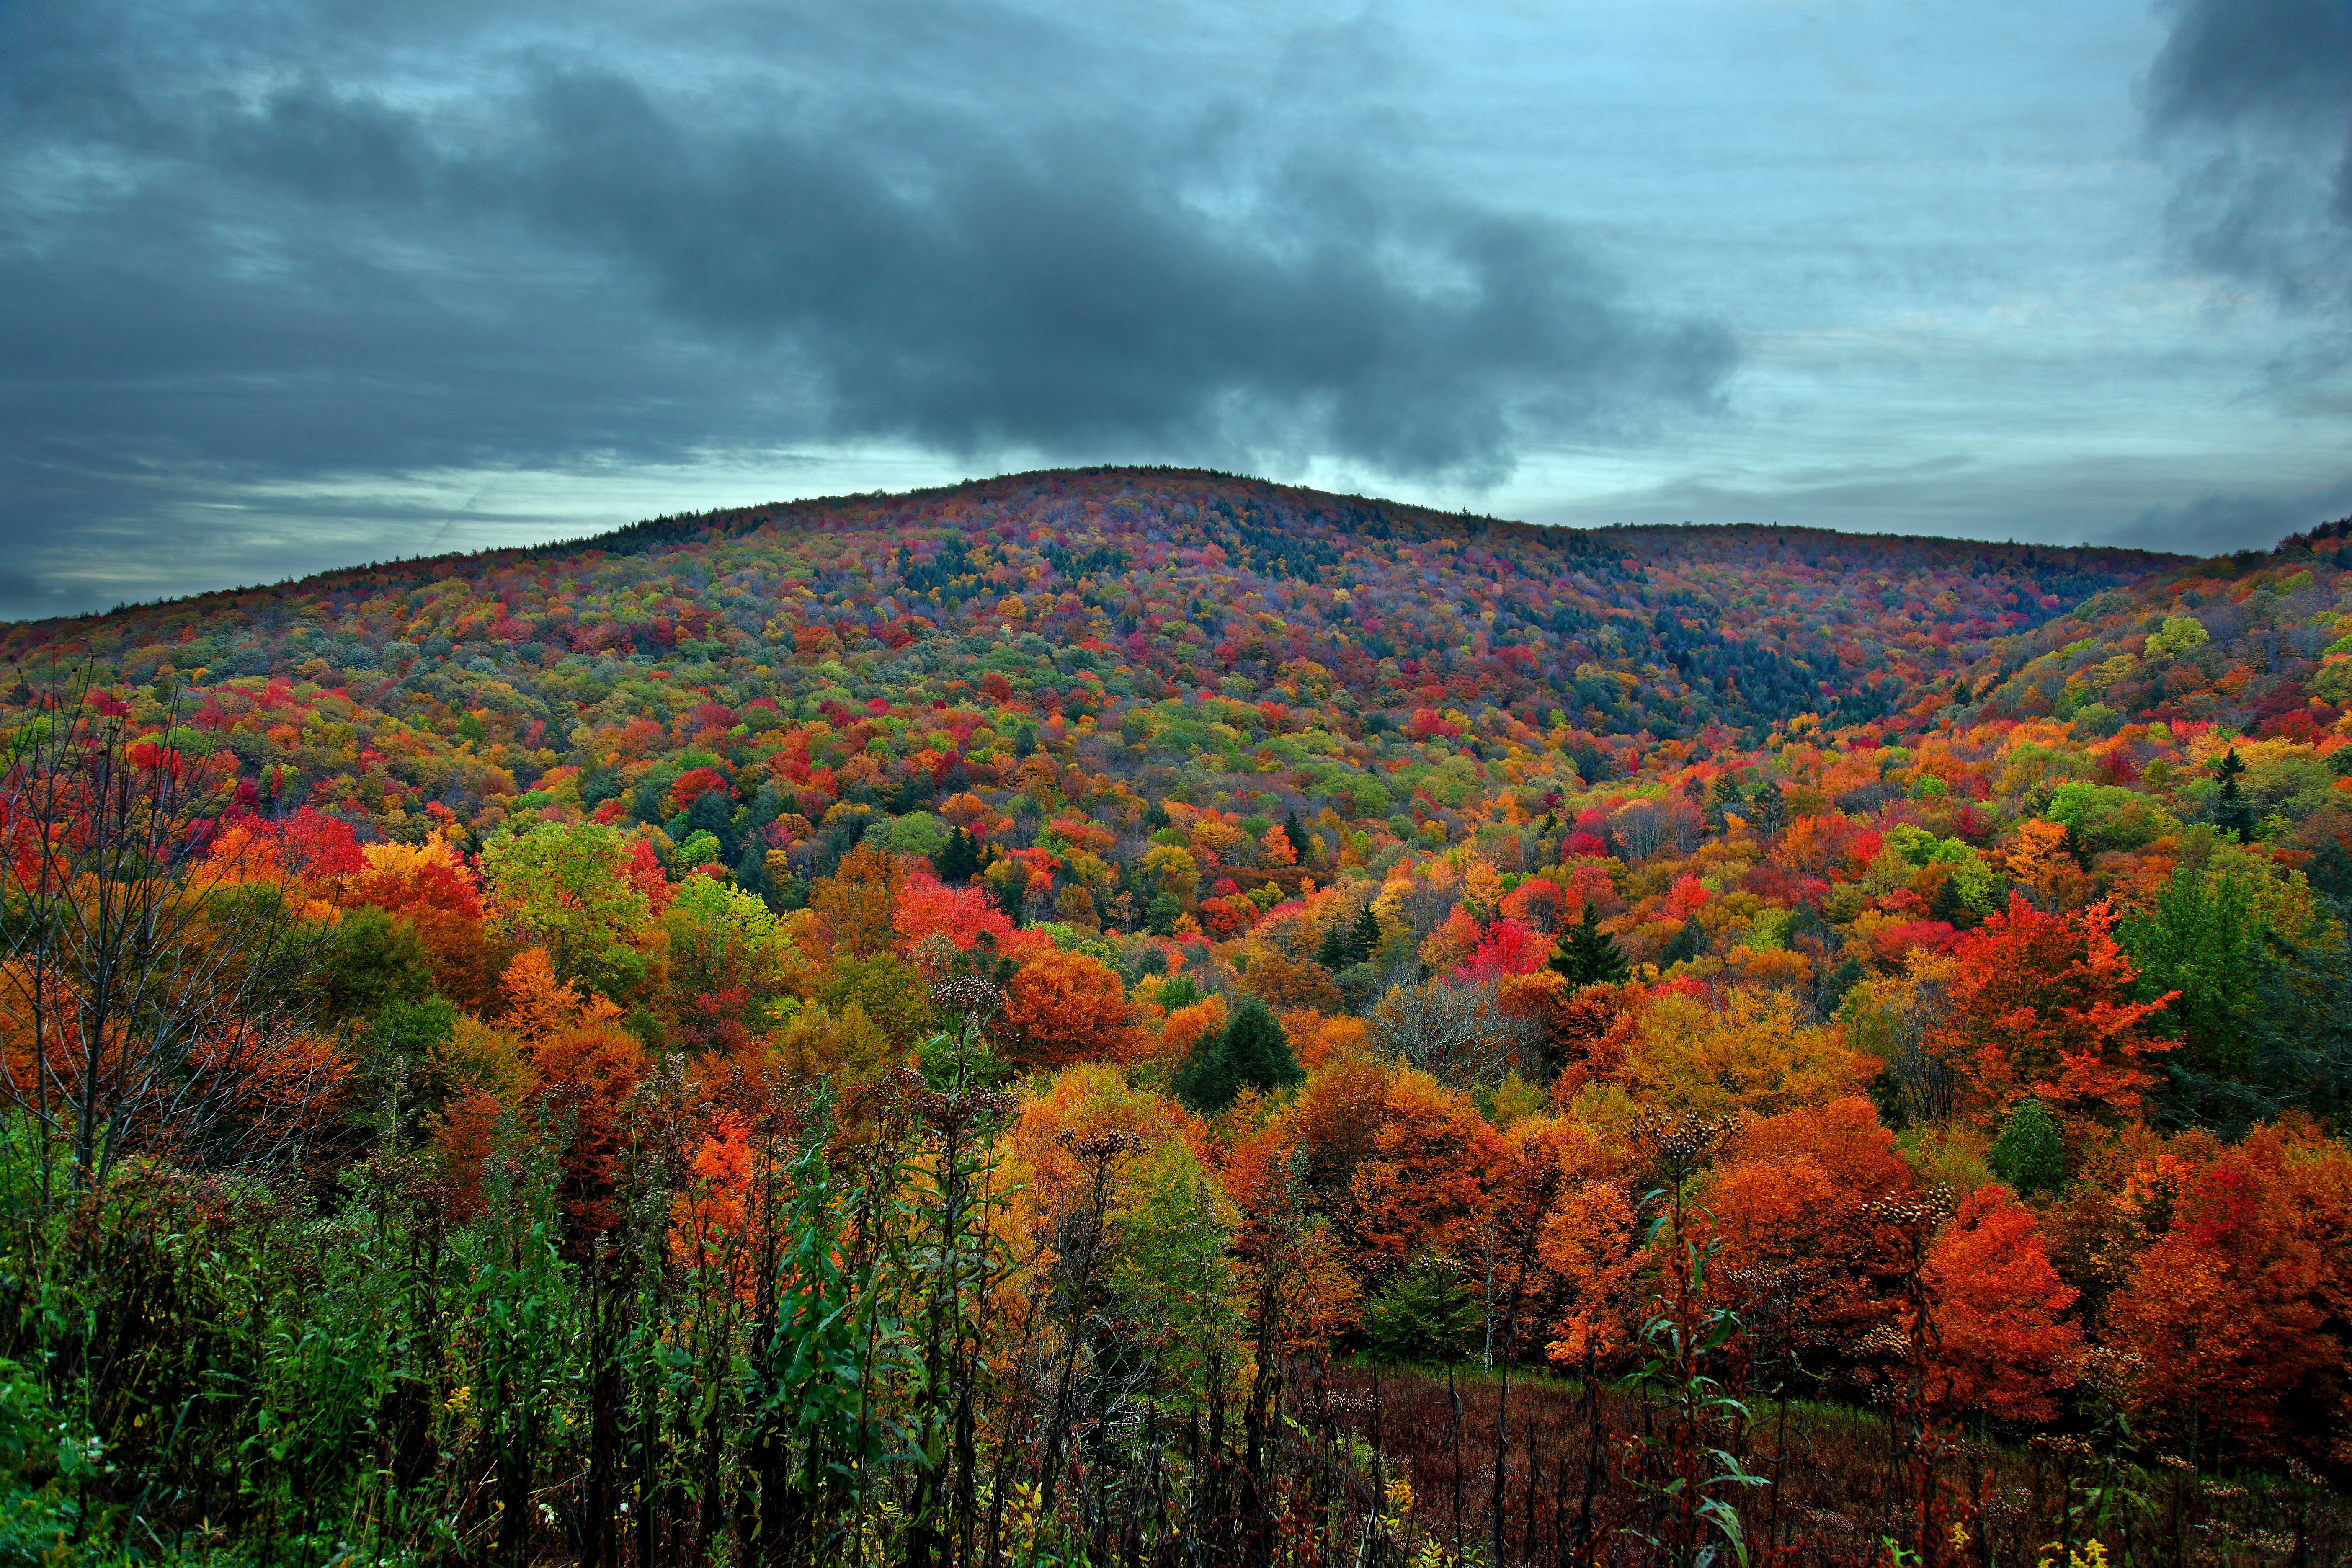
<point>289,286</point>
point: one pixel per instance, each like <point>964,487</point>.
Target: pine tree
<point>1331,952</point>
<point>1364,936</point>
<point>1258,1053</point>
<point>1292,831</point>
<point>2230,809</point>
<point>1725,794</point>
<point>1588,955</point>
<point>959,859</point>
<point>2031,1153</point>
<point>1251,1052</point>
<point>1948,906</point>
<point>1206,1083</point>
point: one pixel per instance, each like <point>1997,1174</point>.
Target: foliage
<point>712,1021</point>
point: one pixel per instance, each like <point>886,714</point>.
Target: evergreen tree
<point>1258,1053</point>
<point>2295,1053</point>
<point>1160,918</point>
<point>1429,1315</point>
<point>1725,796</point>
<point>1364,936</point>
<point>2031,1153</point>
<point>1206,1083</point>
<point>1588,955</point>
<point>1331,952</point>
<point>1295,833</point>
<point>1250,1052</point>
<point>751,869</point>
<point>959,859</point>
<point>1947,905</point>
<point>2232,810</point>
<point>1833,988</point>
<point>1687,944</point>
<point>2202,937</point>
<point>2304,1027</point>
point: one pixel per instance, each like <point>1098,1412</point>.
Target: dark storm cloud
<point>250,246</point>
<point>2212,524</point>
<point>2254,97</point>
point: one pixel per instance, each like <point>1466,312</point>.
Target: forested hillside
<point>969,1025</point>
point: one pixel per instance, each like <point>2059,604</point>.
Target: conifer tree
<point>959,859</point>
<point>1588,955</point>
<point>1251,1052</point>
<point>2230,809</point>
<point>2031,1154</point>
<point>1258,1053</point>
<point>1364,936</point>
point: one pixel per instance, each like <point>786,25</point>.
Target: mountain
<point>1177,932</point>
<point>1324,632</point>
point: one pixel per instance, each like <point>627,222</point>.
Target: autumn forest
<point>1145,1016</point>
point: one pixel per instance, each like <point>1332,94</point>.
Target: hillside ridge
<point>684,529</point>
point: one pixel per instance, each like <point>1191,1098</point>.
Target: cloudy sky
<point>284,286</point>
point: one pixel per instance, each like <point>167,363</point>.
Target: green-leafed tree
<point>2232,810</point>
<point>1428,1314</point>
<point>2031,1153</point>
<point>959,860</point>
<point>1587,955</point>
<point>564,887</point>
<point>1250,1052</point>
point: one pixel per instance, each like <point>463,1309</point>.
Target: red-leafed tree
<point>2002,1345</point>
<point>2042,1003</point>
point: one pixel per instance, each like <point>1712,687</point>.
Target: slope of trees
<point>982,1027</point>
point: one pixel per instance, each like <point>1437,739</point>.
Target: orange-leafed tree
<point>1588,1031</point>
<point>152,1000</point>
<point>2002,1345</point>
<point>585,1075</point>
<point>1790,1204</point>
<point>2236,1312</point>
<point>2042,1003</point>
<point>1327,1128</point>
<point>430,885</point>
<point>1317,1037</point>
<point>1288,983</point>
<point>1064,1007</point>
<point>859,898</point>
<point>1589,1257</point>
<point>2041,860</point>
<point>1429,1178</point>
<point>537,1003</point>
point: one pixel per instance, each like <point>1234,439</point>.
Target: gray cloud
<point>2254,101</point>
<point>20,595</point>
<point>2212,524</point>
<point>248,245</point>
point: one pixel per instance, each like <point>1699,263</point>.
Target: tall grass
<point>863,1365</point>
